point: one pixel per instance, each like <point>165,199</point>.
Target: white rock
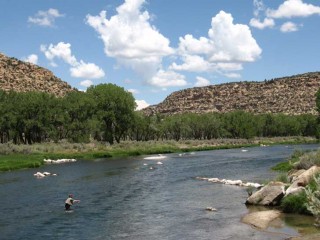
<point>59,161</point>
<point>212,209</point>
<point>233,182</point>
<point>39,175</point>
<point>155,157</point>
<point>251,184</point>
<point>213,179</point>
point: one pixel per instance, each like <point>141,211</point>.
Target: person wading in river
<point>69,202</point>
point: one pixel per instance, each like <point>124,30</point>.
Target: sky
<point>152,48</point>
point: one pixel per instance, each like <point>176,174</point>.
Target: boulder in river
<point>269,195</point>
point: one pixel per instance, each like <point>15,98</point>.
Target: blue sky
<point>155,47</point>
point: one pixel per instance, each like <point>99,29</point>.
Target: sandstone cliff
<point>21,76</point>
<point>289,95</point>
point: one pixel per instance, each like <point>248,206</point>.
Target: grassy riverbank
<point>30,156</point>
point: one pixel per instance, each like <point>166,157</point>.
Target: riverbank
<point>14,157</point>
<point>294,192</point>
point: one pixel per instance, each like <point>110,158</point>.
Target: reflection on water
<point>304,224</point>
<point>288,224</point>
<point>136,198</point>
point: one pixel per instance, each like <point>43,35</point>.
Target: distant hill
<point>21,76</point>
<point>292,95</point>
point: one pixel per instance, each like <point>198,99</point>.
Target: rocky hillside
<point>21,76</point>
<point>289,95</point>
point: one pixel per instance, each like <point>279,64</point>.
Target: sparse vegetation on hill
<point>293,95</point>
<point>19,76</point>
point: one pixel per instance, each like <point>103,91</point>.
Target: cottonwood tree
<point>114,107</point>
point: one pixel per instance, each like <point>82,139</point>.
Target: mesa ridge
<point>294,95</point>
<point>20,76</point>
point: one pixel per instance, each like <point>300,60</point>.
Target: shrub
<point>295,204</point>
<point>308,160</point>
<point>313,200</point>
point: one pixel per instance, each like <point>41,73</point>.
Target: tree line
<point>106,112</point>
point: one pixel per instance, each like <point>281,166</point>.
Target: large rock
<point>269,195</point>
<point>293,174</point>
<point>261,219</point>
<point>302,180</point>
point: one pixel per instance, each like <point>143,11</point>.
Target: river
<point>135,198</point>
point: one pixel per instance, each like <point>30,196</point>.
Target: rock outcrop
<point>293,95</point>
<point>21,76</point>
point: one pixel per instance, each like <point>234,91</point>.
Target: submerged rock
<point>261,219</point>
<point>212,209</point>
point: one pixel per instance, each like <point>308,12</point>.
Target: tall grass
<point>18,161</point>
<point>24,156</point>
<point>308,160</point>
<point>294,162</point>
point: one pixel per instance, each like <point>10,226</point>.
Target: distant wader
<point>69,203</point>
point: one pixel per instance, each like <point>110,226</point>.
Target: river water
<point>135,198</point>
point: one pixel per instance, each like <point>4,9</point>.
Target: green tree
<point>33,116</point>
<point>115,108</point>
<point>240,124</point>
<point>79,109</point>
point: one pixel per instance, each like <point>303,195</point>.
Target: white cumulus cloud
<point>193,63</point>
<point>201,82</point>
<point>258,7</point>
<point>189,44</point>
<point>293,8</point>
<point>61,50</point>
<point>141,104</point>
<point>168,79</point>
<point>267,22</point>
<point>78,69</point>
<point>86,70</point>
<point>232,42</point>
<point>232,75</point>
<point>227,44</point>
<point>32,58</point>
<point>289,27</point>
<point>45,18</point>
<point>129,37</point>
<point>86,83</point>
